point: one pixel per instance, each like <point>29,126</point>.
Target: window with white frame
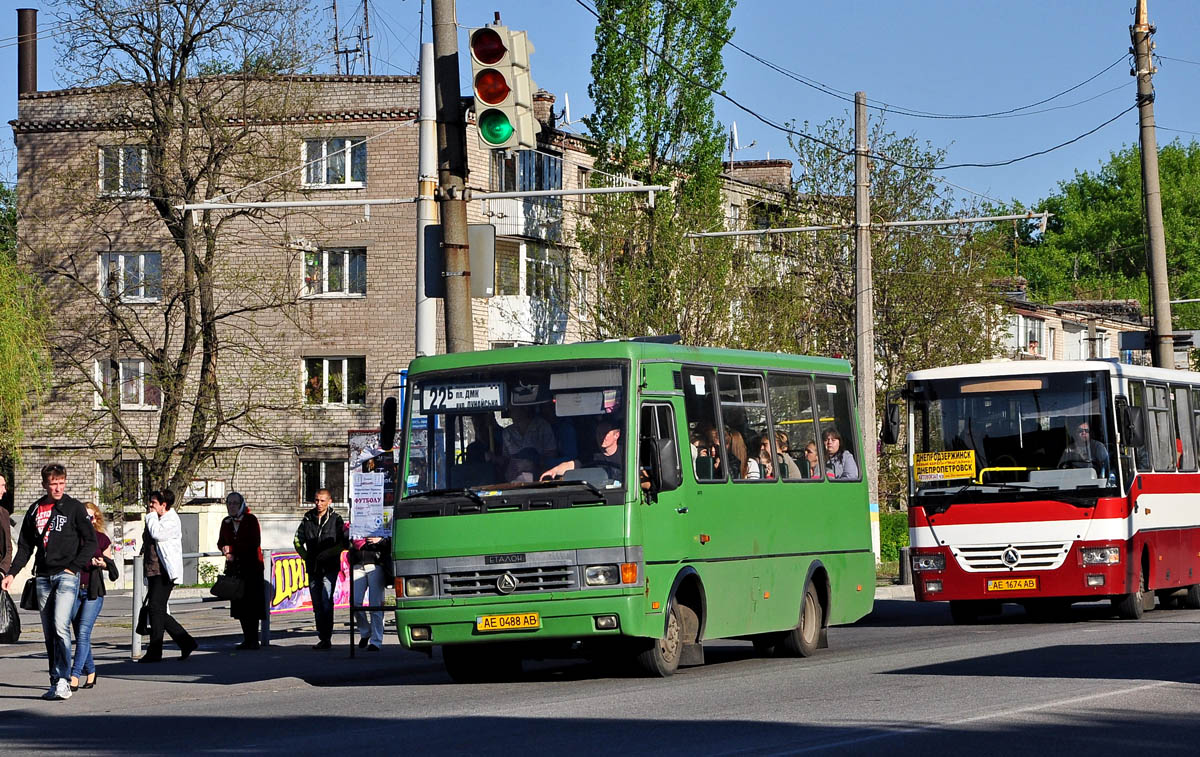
<point>580,294</point>
<point>131,379</point>
<point>336,271</point>
<point>335,162</point>
<point>323,474</point>
<point>131,276</point>
<point>123,170</point>
<point>1028,333</point>
<point>507,268</point>
<point>526,170</point>
<point>545,272</point>
<point>335,381</point>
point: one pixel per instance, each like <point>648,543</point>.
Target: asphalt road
<point>903,681</point>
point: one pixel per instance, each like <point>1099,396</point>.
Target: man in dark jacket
<point>320,540</point>
<point>57,527</point>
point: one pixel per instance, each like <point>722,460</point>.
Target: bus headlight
<point>418,586</point>
<point>1101,555</point>
<point>601,575</point>
<point>929,562</point>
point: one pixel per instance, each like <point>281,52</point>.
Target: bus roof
<point>1027,367</point>
<point>628,350</point>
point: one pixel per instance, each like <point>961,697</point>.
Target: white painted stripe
<point>1167,511</point>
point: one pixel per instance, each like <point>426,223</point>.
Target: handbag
<point>143,622</point>
<point>29,600</point>
<point>10,620</point>
<point>228,587</point>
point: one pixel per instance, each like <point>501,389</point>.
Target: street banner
<point>366,506</point>
<point>289,584</point>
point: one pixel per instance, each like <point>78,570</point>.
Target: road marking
<point>910,730</point>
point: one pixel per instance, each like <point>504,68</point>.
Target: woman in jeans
<point>91,601</point>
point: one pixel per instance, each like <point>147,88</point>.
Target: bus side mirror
<point>387,424</point>
<point>660,465</point>
<point>889,433</point>
<point>1133,425</point>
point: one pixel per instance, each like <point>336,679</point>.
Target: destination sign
<point>940,466</point>
<point>441,398</point>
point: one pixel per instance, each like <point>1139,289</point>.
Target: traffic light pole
<point>452,180</point>
<point>1163,348</point>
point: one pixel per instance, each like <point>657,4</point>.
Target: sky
<point>937,56</point>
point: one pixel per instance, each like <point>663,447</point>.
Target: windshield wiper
<point>448,493</point>
<point>555,482</point>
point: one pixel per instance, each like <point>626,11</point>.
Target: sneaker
<point>62,690</point>
<point>372,648</point>
<point>50,693</point>
<point>362,643</point>
<point>322,645</point>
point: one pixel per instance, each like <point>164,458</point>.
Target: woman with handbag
<point>91,601</point>
<point>241,543</point>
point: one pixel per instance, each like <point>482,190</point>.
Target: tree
<point>935,303</point>
<point>654,122</point>
<point>176,137</point>
<point>23,328</point>
<point>1095,244</point>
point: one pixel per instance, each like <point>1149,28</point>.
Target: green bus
<point>630,497</point>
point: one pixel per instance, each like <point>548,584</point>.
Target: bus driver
<point>1085,452</point>
<point>608,456</point>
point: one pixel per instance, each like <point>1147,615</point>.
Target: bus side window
<point>1183,428</point>
<point>1141,455</point>
<point>837,423</point>
<point>700,401</point>
<point>794,428</point>
<point>1159,428</point>
<point>1196,420</point>
<point>744,425</point>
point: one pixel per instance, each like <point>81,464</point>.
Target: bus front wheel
<point>802,641</point>
<point>1132,606</point>
<point>661,657</point>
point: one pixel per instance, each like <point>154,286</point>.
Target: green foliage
<point>208,573</point>
<point>1094,246</point>
<point>24,324</point>
<point>893,534</point>
<point>654,123</point>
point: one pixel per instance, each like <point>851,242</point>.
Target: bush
<point>893,534</point>
<point>209,573</point>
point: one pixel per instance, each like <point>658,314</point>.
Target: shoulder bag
<point>10,620</point>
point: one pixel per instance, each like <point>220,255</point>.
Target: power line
<point>804,135</point>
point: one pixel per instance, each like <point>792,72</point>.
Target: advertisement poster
<point>367,513</point>
<point>289,584</point>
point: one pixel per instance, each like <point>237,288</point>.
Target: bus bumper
<point>1072,580</point>
<point>558,619</point>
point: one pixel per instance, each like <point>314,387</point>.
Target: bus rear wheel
<point>661,657</point>
<point>1191,600</point>
<point>802,641</point>
<point>480,663</point>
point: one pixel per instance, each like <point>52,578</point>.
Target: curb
<point>895,591</point>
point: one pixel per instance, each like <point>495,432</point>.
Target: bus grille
<point>530,580</point>
<point>990,557</point>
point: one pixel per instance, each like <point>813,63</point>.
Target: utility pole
<point>1163,331</point>
<point>337,42</point>
<point>864,301</point>
<point>452,180</point>
<point>426,314</point>
<point>366,37</point>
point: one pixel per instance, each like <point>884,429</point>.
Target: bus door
<point>667,518</point>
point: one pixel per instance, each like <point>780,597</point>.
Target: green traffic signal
<point>494,127</point>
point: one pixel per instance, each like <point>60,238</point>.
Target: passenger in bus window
<point>812,460</point>
<point>839,463</point>
<point>705,444</point>
<point>759,465</point>
<point>787,464</point>
<point>1085,452</point>
<point>735,447</point>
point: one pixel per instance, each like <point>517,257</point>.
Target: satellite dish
<point>734,136</point>
<point>566,108</point>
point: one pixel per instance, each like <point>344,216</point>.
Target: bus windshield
<point>1025,432</point>
<point>507,428</point>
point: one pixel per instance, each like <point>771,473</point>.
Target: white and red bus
<point>1051,482</point>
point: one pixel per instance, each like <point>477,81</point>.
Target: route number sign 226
<point>440,398</point>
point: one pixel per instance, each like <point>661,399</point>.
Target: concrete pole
<point>426,317</point>
<point>864,303</point>
<point>452,179</point>
<point>1163,331</point>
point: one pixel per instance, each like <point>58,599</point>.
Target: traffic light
<point>502,88</point>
